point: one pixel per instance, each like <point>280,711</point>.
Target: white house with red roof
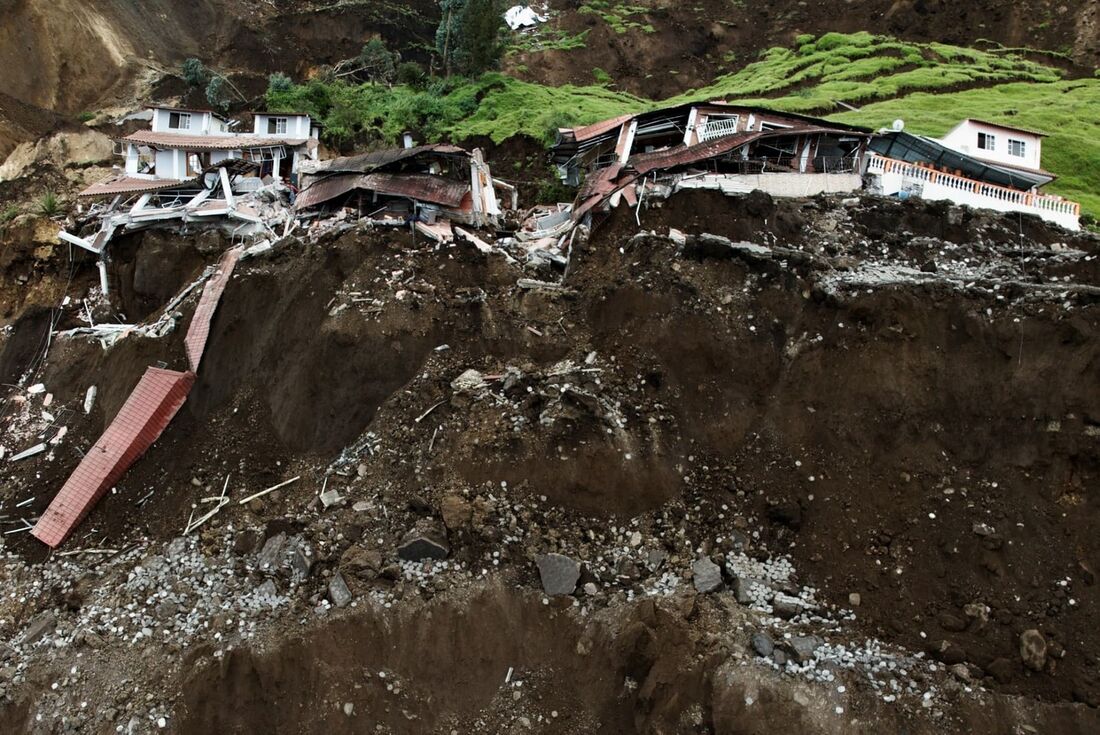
<point>182,144</point>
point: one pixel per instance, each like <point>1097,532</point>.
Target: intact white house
<point>979,164</point>
<point>1001,144</point>
<point>183,143</point>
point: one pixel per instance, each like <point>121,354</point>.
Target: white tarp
<point>522,16</point>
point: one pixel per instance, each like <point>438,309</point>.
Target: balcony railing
<point>883,165</point>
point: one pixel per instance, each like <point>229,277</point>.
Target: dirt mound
<point>890,401</point>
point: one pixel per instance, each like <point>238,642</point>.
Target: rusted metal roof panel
<point>596,129</point>
<point>208,142</point>
<point>150,407</point>
<point>367,162</point>
<point>131,185</point>
<point>199,330</point>
<point>421,187</point>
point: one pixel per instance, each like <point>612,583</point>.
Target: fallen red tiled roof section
<point>421,187</point>
<point>131,185</point>
<point>150,407</point>
<point>208,142</point>
<point>199,330</point>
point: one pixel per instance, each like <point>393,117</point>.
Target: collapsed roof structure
<point>413,184</point>
<point>733,148</point>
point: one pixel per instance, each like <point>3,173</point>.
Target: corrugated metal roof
<point>421,187</point>
<point>152,404</point>
<point>176,141</point>
<point>596,129</point>
<point>683,155</point>
<point>199,330</point>
<point>918,149</point>
<point>367,162</point>
<point>131,185</point>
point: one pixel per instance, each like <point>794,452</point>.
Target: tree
<point>469,37</point>
<point>215,94</point>
<point>411,74</point>
<point>279,82</point>
<point>193,72</point>
<point>376,62</point>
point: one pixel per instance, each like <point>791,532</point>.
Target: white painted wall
<point>964,139</point>
<point>776,184</point>
<point>896,178</point>
<point>297,126</point>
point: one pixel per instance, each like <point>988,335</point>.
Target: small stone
<point>1033,649</point>
<point>40,626</point>
<point>349,708</point>
<point>423,544</point>
<point>948,652</point>
<point>1000,669</point>
<point>456,512</point>
<point>854,599</point>
<point>591,589</point>
<point>706,575</point>
<point>762,644</point>
<point>559,573</point>
<point>272,552</point>
<point>656,559</point>
<point>802,647</point>
<point>951,623</point>
<point>779,656</point>
<point>338,591</point>
<point>299,563</point>
<point>786,607</point>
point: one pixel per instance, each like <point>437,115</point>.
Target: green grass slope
<point>1069,111</point>
<point>932,86</point>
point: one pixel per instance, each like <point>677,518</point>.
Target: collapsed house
<point>428,186</point>
<point>713,145</point>
<point>977,163</point>
<point>190,168</point>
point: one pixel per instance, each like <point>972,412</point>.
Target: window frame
<point>1021,144</point>
<point>273,124</point>
<point>990,138</point>
<point>180,118</point>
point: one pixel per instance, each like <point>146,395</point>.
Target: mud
<point>928,443</point>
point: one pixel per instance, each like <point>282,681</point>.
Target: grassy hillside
<point>932,86</point>
<point>1069,111</point>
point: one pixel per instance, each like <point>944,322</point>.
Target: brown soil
<point>692,43</point>
<point>864,433</point>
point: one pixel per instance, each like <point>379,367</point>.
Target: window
<point>179,120</point>
<point>987,142</point>
<point>1017,148</point>
<point>276,126</point>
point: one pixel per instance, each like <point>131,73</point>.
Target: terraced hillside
<point>858,77</point>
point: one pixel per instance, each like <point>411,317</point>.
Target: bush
<point>85,116</point>
<point>8,214</point>
<point>279,82</point>
<point>215,94</point>
<point>412,74</point>
<point>49,205</point>
<point>601,76</point>
<point>193,72</point>
<point>377,62</point>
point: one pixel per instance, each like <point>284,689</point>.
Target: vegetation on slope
<point>1066,110</point>
<point>932,86</point>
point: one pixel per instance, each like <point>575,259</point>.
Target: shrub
<point>601,76</point>
<point>8,214</point>
<point>48,205</point>
<point>411,74</point>
<point>193,72</point>
<point>279,82</point>
<point>85,116</point>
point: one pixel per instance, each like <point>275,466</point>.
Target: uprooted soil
<point>898,398</point>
